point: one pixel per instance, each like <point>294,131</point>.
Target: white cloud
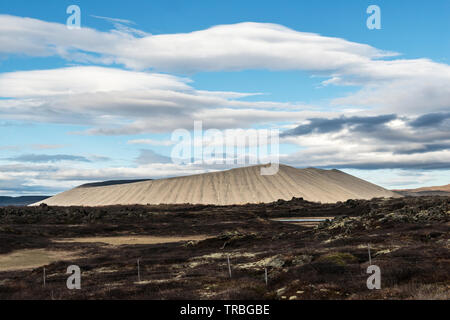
<point>406,85</point>
<point>112,101</point>
<point>115,20</point>
<point>344,150</point>
<point>115,101</point>
<point>47,146</point>
<point>152,142</point>
<point>239,46</point>
<point>403,179</point>
<point>81,80</point>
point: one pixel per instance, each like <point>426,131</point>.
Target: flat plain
<point>183,250</point>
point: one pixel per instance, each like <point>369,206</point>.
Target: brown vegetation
<point>408,237</point>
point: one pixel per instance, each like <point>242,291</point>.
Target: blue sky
<point>292,63</point>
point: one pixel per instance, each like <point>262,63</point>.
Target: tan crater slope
<point>445,188</point>
<point>426,191</point>
<point>235,186</point>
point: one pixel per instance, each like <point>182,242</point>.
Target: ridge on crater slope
<point>235,186</point>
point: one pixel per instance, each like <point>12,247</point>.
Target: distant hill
<point>236,186</point>
<point>20,201</point>
<point>426,191</point>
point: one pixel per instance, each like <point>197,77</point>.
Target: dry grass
<point>130,240</point>
<point>301,262</point>
<point>291,220</point>
<point>33,258</point>
<point>428,291</point>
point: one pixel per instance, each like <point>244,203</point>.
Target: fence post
<point>229,266</point>
<point>43,276</point>
<point>370,257</point>
<point>265,275</point>
<point>139,271</point>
